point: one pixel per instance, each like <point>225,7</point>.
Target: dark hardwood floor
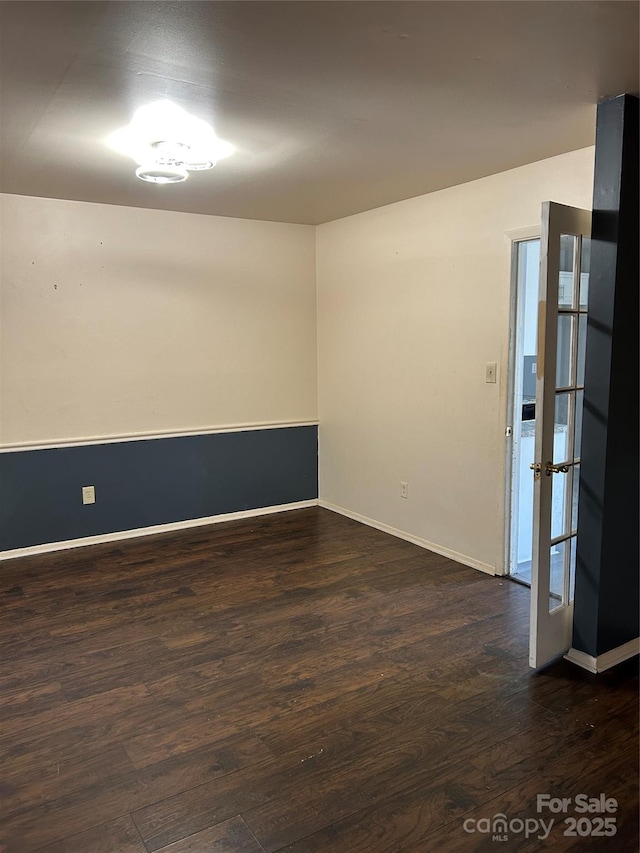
<point>297,682</point>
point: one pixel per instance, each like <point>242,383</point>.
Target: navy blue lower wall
<point>152,481</point>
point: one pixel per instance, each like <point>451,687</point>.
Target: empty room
<point>318,426</point>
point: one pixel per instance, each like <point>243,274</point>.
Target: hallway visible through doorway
<point>523,407</point>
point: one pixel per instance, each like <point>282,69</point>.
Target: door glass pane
<point>565,279</point>
<point>562,452</point>
<point>577,447</point>
<point>566,325</point>
<point>556,575</point>
<point>574,497</point>
<point>559,504</point>
<point>561,438</point>
<point>572,569</point>
<point>582,348</point>
<point>585,268</point>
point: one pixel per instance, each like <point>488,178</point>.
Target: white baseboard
<point>47,547</point>
<point>409,537</point>
<point>606,660</point>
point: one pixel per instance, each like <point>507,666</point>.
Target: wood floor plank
<point>43,781</point>
<point>117,836</point>
<point>62,716</point>
<point>230,836</point>
<point>25,705</point>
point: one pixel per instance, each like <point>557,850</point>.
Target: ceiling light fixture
<point>167,143</point>
<point>156,174</point>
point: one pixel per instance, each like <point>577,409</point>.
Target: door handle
<point>549,468</point>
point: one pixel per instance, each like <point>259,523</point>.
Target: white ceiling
<point>334,107</point>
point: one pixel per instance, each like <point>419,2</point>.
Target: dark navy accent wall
<point>152,481</point>
<point>607,594</point>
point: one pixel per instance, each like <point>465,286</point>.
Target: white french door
<point>562,327</point>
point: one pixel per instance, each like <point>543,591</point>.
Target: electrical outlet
<point>88,494</point>
<point>491,372</point>
<point>404,489</point>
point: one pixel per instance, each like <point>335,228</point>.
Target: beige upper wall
<point>119,320</point>
<point>413,300</point>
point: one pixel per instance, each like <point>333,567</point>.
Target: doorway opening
<point>522,408</point>
<point>571,338</point>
